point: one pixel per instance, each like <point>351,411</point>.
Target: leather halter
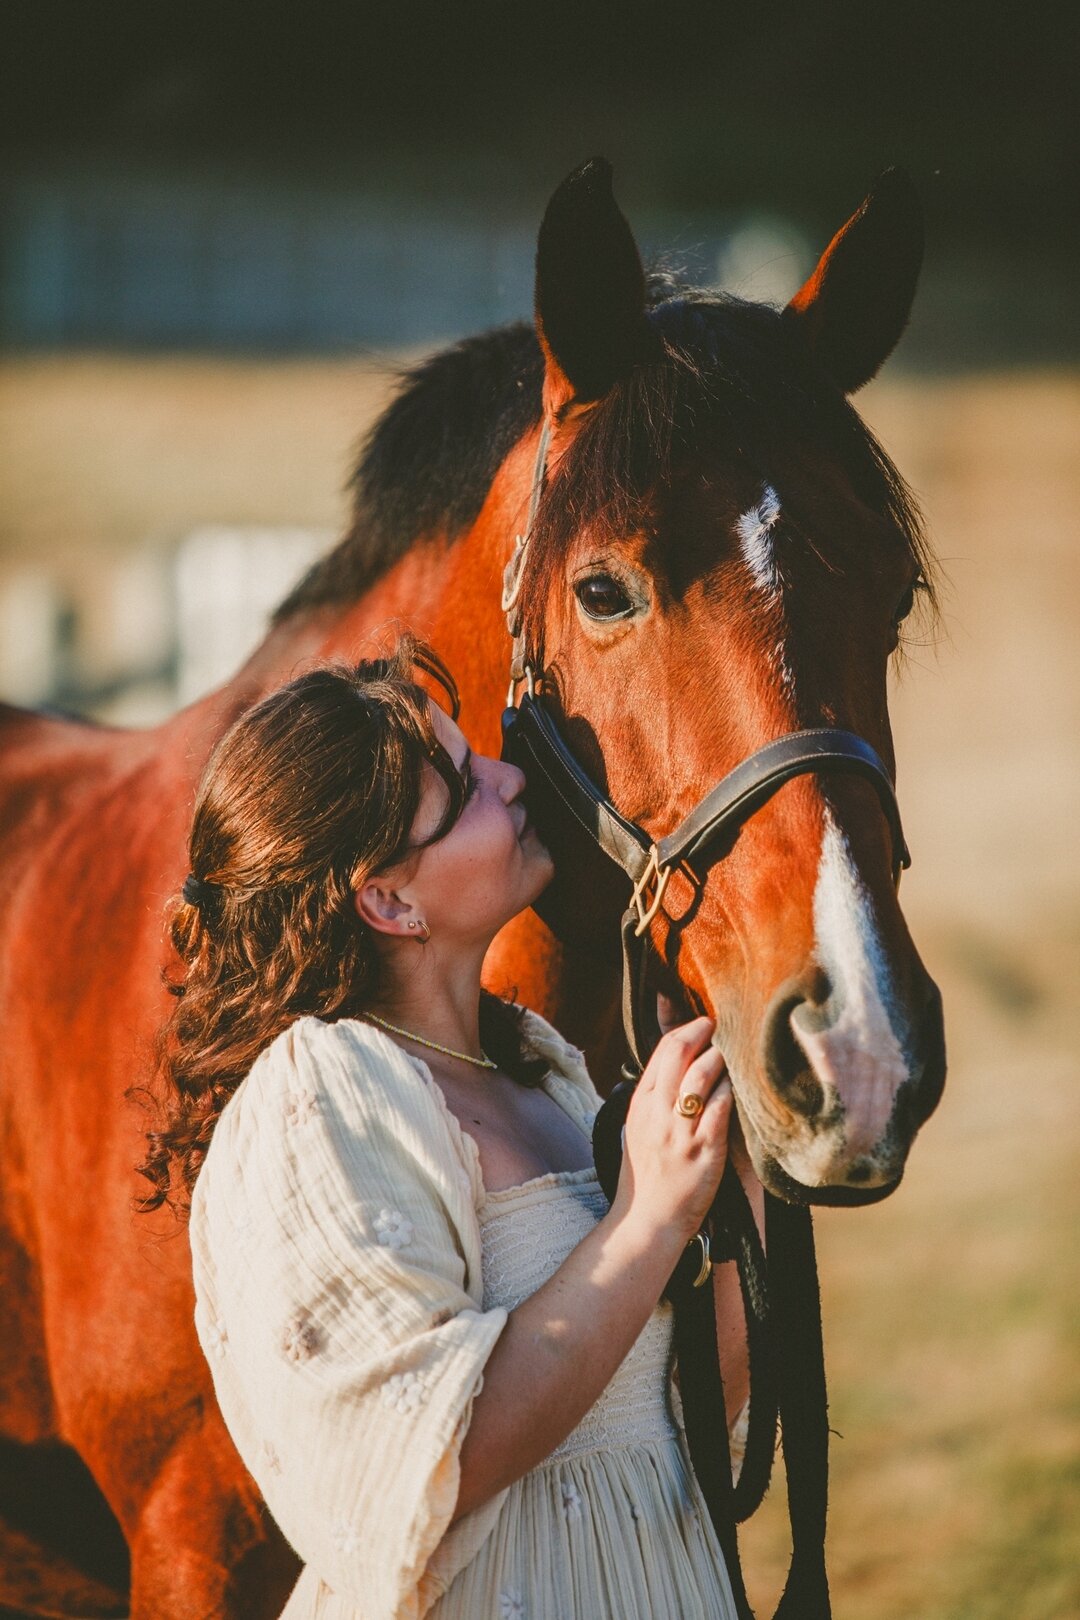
<point>531,739</point>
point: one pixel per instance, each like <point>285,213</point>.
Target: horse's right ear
<point>852,310</point>
<point>590,290</point>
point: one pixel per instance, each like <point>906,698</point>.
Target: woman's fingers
<point>703,1075</point>
<point>674,1053</point>
<point>721,1100</point>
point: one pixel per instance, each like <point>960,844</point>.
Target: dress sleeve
<point>336,1263</point>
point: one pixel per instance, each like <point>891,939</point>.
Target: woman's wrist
<point>643,1241</point>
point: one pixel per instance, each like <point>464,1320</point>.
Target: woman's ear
<point>383,909</point>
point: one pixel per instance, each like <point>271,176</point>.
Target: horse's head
<point>723,555</point>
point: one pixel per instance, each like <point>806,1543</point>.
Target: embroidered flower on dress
<point>346,1538</point>
<point>571,1499</point>
<point>403,1392</point>
<point>270,1457</point>
<point>300,1338</point>
<point>393,1229</point>
<point>216,1338</point>
<point>300,1106</point>
<point>511,1605</point>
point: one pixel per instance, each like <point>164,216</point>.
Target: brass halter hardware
<point>702,1237</point>
<point>647,909</point>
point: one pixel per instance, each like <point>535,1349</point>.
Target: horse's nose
<point>807,1021</point>
<point>785,1061</point>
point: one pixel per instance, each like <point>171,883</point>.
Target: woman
<point>440,1353</point>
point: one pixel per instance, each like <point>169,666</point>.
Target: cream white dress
<point>352,1275</point>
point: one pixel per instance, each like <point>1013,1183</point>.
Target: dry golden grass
<point>951,1311</point>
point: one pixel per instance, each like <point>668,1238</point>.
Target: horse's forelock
<point>726,379</point>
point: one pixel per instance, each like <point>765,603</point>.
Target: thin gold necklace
<point>482,1062</point>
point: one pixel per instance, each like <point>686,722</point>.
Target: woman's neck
<point>434,998</point>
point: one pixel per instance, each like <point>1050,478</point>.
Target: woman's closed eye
<point>468,776</point>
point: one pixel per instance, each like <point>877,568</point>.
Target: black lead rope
<point>782,1310</point>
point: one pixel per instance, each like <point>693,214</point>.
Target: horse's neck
<point>410,594</point>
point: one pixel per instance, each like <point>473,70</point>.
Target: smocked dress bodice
<point>612,1523</point>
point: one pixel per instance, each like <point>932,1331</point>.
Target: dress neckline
<point>468,1146</point>
<point>550,1178</point>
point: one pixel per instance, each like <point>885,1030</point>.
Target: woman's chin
<point>540,864</point>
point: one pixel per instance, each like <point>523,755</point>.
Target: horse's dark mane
<point>426,466</point>
<point>724,370</point>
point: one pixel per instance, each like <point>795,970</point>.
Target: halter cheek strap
<point>515,568</point>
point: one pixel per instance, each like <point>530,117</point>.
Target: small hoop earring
<point>420,923</point>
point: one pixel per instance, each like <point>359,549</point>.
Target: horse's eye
<point>603,597</point>
<point>905,604</point>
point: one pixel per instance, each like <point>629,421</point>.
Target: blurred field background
<point>177,423</point>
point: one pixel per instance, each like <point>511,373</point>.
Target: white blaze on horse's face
<point>758,534</point>
<point>850,1042</point>
<point>755,531</point>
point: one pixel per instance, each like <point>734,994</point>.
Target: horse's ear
<point>590,290</point>
<point>854,307</point>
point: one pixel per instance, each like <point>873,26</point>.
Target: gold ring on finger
<point>689,1105</point>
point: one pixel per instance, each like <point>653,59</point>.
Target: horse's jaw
<point>778,1170</point>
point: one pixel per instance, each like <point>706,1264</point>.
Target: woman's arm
<point>727,1295</point>
<point>559,1349</point>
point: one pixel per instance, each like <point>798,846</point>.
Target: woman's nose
<point>511,782</point>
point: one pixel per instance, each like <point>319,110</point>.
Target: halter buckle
<point>528,676</point>
<point>647,909</point>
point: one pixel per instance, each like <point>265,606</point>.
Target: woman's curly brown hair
<point>305,796</point>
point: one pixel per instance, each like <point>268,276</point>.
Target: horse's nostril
<point>785,1061</point>
<point>817,988</point>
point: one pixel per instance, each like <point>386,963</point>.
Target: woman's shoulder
<point>345,1056</point>
<point>332,1126</point>
<point>342,1088</point>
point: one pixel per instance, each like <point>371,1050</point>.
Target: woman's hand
<point>672,1164</point>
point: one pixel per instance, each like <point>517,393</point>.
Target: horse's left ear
<point>854,307</point>
<point>590,290</point>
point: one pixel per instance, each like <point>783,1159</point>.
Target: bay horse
<point>723,554</point>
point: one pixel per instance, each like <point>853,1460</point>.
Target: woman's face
<point>486,869</point>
